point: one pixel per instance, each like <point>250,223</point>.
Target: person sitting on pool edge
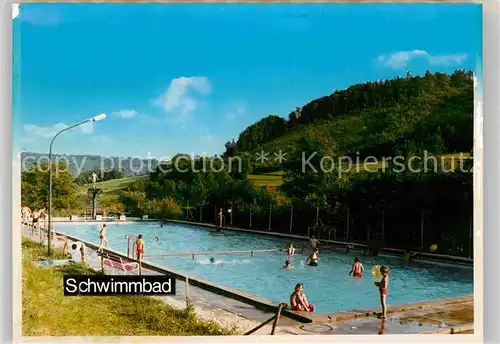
<point>287,265</point>
<point>313,258</point>
<point>298,300</point>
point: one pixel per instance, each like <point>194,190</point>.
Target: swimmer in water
<point>313,258</point>
<point>314,242</point>
<point>212,260</point>
<point>357,268</point>
<point>157,239</point>
<point>287,265</point>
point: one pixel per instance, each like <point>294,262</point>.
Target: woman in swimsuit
<point>313,258</point>
<point>298,300</point>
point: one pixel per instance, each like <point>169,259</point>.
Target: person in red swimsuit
<point>298,300</point>
<point>382,288</point>
<point>357,268</point>
<point>139,246</point>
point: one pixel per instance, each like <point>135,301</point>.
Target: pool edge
<point>256,301</point>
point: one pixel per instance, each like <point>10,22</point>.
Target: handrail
<point>275,317</point>
<point>128,244</point>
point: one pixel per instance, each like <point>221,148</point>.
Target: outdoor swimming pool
<point>328,286</point>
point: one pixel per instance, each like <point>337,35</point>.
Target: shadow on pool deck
<point>446,316</point>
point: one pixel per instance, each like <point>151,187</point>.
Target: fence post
<point>291,218</point>
<point>383,227</point>
<point>348,222</point>
<point>102,262</point>
<point>422,229</point>
<point>188,302</point>
<point>317,216</point>
<point>471,240</point>
<point>270,210</point>
<point>250,216</point>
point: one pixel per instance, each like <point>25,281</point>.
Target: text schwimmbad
<point>118,285</point>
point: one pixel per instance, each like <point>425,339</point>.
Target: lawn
<point>113,185</point>
<point>47,312</point>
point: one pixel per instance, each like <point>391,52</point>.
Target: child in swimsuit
<point>382,287</point>
<point>357,268</point>
<point>287,265</point>
<point>298,300</point>
<point>290,251</point>
<point>313,258</point>
<point>139,247</point>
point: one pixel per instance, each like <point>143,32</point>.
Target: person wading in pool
<point>314,242</point>
<point>357,268</point>
<point>313,258</point>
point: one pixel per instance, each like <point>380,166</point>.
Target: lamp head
<point>99,117</point>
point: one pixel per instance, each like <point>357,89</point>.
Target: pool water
<point>328,286</point>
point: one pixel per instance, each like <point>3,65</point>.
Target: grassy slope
<point>47,312</point>
<point>111,187</point>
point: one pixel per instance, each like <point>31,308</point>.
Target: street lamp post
<point>49,229</point>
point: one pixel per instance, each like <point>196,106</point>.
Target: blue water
<point>328,286</point>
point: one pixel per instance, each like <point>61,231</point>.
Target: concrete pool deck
<point>444,316</point>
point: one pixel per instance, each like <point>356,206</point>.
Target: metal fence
<point>410,230</point>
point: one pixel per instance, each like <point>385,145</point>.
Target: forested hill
<point>433,112</point>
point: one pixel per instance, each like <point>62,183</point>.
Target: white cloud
<point>236,111</point>
<point>401,59</point>
<point>87,128</point>
<point>50,131</point>
<point>179,101</point>
<point>15,11</point>
<point>125,113</point>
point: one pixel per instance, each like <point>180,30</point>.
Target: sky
<point>186,78</point>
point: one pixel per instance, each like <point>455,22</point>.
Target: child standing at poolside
<point>382,287</point>
<point>139,246</point>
